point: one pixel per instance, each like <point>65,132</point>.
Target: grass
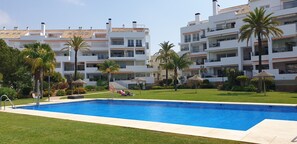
<point>34,130</point>
<point>30,129</point>
<point>208,95</point>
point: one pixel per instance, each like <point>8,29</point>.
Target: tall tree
<point>164,55</point>
<point>76,43</point>
<point>15,72</point>
<point>109,67</point>
<point>41,58</point>
<point>260,25</point>
<point>178,63</point>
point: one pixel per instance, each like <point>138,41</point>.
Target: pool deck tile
<point>266,132</point>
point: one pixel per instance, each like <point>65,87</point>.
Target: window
<point>290,4</point>
<point>187,38</point>
<point>292,68</point>
<point>130,43</point>
<point>140,52</point>
<point>138,43</point>
<point>196,37</point>
<point>265,7</point>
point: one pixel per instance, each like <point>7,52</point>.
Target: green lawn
<point>29,129</point>
<point>35,130</point>
<point>208,95</point>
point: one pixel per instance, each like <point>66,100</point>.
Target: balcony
<point>87,58</point>
<point>284,52</point>
<point>255,57</point>
<point>197,65</point>
<point>91,69</point>
<point>221,30</point>
<point>223,61</point>
<point>62,58</point>
<point>289,29</point>
<point>103,57</point>
<point>139,69</point>
<point>228,44</point>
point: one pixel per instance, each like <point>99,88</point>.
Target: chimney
<point>15,28</point>
<point>110,26</point>
<point>27,28</point>
<point>107,27</point>
<point>4,28</point>
<point>197,18</point>
<point>215,7</point>
<point>43,28</point>
<point>134,23</point>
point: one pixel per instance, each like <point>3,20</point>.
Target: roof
<point>66,33</point>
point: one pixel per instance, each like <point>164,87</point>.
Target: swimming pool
<point>224,116</point>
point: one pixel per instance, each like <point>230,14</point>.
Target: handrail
<point>7,99</point>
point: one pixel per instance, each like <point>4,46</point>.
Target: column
<point>240,58</point>
<point>270,54</point>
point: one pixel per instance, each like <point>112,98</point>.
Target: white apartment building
<point>213,43</point>
<point>129,47</point>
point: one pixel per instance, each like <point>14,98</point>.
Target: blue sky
<point>163,17</point>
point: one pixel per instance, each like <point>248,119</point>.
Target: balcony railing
<point>215,44</point>
<point>100,57</point>
<point>220,28</point>
<point>117,43</point>
<point>282,49</point>
<point>185,49</point>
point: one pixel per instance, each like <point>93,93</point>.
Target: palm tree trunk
<point>109,76</point>
<point>175,79</point>
<point>35,82</point>
<point>75,66</point>
<point>166,76</point>
<point>41,82</point>
<point>260,61</point>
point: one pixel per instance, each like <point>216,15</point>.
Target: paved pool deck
<point>266,132</point>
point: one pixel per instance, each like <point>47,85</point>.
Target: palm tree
<point>41,58</point>
<point>76,43</point>
<point>165,54</point>
<point>259,25</point>
<point>109,67</point>
<point>178,63</point>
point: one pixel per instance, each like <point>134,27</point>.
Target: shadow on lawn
<point>239,94</point>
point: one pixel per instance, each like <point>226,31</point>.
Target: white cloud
<point>5,19</point>
<point>76,2</point>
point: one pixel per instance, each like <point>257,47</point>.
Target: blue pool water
<point>225,116</point>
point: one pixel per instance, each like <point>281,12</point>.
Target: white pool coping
<point>267,131</point>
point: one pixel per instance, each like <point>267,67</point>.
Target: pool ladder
<point>7,99</point>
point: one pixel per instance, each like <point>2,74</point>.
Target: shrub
<point>269,83</point>
<point>61,93</point>
<point>45,93</point>
<point>169,81</point>
<point>205,81</point>
<point>243,79</point>
<point>207,86</point>
<point>90,88</point>
<point>184,87</point>
<point>62,85</point>
<point>25,92</point>
<point>102,83</point>
<point>79,90</point>
<point>237,88</point>
<point>250,88</point>
<point>101,88</point>
<point>161,87</point>
<point>11,93</point>
<point>68,92</point>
